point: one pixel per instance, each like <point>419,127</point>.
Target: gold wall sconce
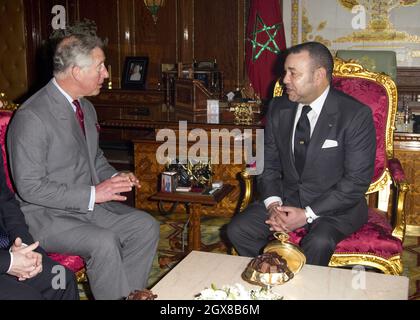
<point>153,6</point>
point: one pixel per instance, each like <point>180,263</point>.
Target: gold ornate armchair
<point>74,263</point>
<point>378,244</point>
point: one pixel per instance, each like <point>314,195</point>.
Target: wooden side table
<point>193,202</point>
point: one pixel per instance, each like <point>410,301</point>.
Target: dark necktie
<point>302,138</point>
<point>79,115</point>
<point>4,240</point>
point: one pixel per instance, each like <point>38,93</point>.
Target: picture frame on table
<point>135,73</point>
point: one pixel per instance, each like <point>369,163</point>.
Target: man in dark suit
<point>26,272</point>
<point>319,155</point>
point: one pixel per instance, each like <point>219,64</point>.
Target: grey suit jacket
<point>53,165</point>
<point>334,180</point>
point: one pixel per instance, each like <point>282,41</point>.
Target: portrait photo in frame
<point>135,72</point>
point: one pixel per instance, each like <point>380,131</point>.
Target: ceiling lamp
<point>153,6</point>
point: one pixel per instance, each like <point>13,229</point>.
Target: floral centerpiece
<point>237,292</point>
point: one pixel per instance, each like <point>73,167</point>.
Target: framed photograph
<point>135,72</point>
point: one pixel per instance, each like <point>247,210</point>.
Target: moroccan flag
<point>265,40</point>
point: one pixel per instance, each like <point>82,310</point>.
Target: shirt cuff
<point>11,262</point>
<point>309,213</point>
<point>92,199</point>
<point>270,200</point>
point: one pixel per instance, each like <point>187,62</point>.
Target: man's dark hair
<point>320,55</point>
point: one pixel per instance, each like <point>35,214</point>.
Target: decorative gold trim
<point>308,30</point>
<point>6,104</point>
<point>381,183</point>
<point>244,112</point>
<point>399,231</point>
<point>306,26</point>
<point>247,178</point>
<point>295,22</point>
<point>81,276</point>
<point>379,28</point>
<point>278,89</point>
<point>392,266</point>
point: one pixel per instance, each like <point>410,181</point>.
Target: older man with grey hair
<point>68,191</point>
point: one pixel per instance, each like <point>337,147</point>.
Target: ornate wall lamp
<point>153,6</point>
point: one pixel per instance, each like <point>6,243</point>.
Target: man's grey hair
<point>75,50</point>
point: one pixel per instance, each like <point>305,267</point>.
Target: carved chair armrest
<point>248,180</point>
<point>400,189</point>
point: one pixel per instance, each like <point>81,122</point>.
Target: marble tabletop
<point>199,270</point>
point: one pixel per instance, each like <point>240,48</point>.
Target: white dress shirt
<point>313,115</point>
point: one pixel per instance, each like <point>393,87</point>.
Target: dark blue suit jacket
<point>12,220</point>
<point>334,180</point>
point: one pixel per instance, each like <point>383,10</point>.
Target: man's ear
<point>76,72</point>
<point>320,75</point>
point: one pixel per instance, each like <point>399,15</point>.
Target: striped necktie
<point>79,115</point>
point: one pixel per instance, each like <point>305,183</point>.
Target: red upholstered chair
<point>378,243</point>
<point>74,263</point>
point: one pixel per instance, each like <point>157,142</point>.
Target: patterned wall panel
<point>411,164</point>
<point>13,71</point>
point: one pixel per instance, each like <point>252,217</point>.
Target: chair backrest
<point>379,92</point>
<point>372,60</point>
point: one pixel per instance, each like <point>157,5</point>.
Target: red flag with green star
<point>265,40</point>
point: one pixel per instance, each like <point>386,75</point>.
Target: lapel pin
<point>330,125</point>
<point>301,142</point>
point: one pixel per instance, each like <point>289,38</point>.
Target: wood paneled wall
<point>13,71</point>
<point>186,30</point>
